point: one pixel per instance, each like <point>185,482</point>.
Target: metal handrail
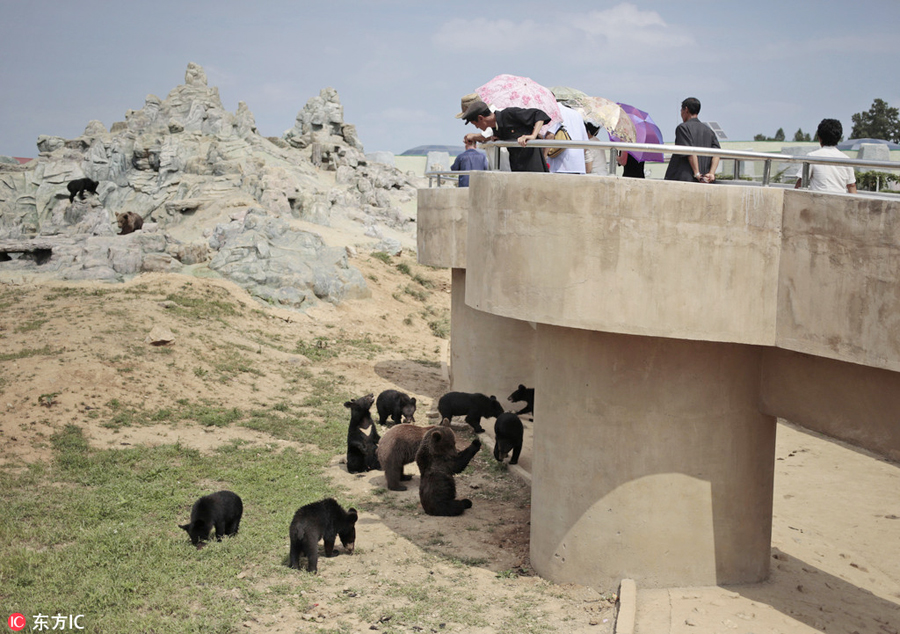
<point>737,155</point>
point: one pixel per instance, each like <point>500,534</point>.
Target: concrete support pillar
<point>652,461</point>
<point>488,354</point>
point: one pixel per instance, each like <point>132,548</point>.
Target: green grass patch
<point>96,533</point>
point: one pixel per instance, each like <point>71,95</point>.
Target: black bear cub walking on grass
<point>81,185</point>
<point>395,405</point>
<point>508,433</point>
<point>438,461</point>
<point>472,406</point>
<point>526,394</point>
<point>221,510</point>
<point>326,520</point>
<point>361,447</point>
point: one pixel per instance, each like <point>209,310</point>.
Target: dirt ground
<point>98,348</point>
<point>836,556</point>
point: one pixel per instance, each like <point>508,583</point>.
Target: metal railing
<point>737,155</point>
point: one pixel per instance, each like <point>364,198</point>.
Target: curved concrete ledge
<point>626,255</point>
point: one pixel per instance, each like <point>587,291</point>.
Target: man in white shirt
<point>830,178</point>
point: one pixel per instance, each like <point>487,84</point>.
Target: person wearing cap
<point>509,124</point>
<point>469,160</point>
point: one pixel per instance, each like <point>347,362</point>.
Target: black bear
<point>326,520</point>
<point>81,185</point>
<point>129,222</point>
<point>361,447</point>
<point>508,432</point>
<point>438,461</point>
<point>396,405</point>
<point>221,510</point>
<point>523,394</point>
<point>397,448</point>
<point>472,406</point>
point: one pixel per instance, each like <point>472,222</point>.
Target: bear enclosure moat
<point>665,326</point>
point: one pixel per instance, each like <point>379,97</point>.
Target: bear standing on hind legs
<point>438,461</point>
<point>398,448</point>
<point>325,520</point>
<point>361,447</point>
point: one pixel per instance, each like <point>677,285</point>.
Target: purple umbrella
<point>646,131</point>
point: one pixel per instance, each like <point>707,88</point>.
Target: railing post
<point>767,170</point>
<point>613,162</point>
<point>804,182</point>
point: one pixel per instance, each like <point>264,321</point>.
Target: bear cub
<point>523,394</point>
<point>508,433</point>
<point>129,222</point>
<point>473,406</point>
<point>438,461</point>
<point>221,510</point>
<point>325,519</point>
<point>81,185</point>
<point>398,448</point>
<point>361,447</point>
<point>395,405</point>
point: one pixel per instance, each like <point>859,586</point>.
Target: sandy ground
<point>98,350</point>
<point>835,547</point>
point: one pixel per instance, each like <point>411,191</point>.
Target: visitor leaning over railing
<point>736,155</point>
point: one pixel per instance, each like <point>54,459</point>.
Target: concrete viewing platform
<point>665,326</point>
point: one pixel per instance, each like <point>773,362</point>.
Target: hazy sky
<point>401,66</point>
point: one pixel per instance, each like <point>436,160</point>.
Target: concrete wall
<point>626,255</point>
<point>488,354</point>
<point>442,220</point>
<point>651,461</point>
<point>839,281</point>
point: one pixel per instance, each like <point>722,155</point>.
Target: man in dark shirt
<point>510,124</point>
<point>471,159</point>
<point>694,133</point>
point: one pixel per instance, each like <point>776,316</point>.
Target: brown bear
<point>129,222</point>
<point>438,461</point>
<point>398,448</point>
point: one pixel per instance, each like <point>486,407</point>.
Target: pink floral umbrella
<point>504,91</point>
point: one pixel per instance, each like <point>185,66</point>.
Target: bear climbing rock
<point>473,406</point>
<point>398,447</point>
<point>325,520</point>
<point>221,511</point>
<point>81,185</point>
<point>508,433</point>
<point>361,447</point>
<point>526,394</point>
<point>395,405</point>
<point>129,222</point>
<point>438,461</point>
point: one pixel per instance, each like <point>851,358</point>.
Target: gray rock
<point>184,157</point>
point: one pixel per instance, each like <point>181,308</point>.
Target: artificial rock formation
<point>185,161</point>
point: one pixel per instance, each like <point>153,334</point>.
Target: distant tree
<point>779,136</point>
<point>799,135</point>
<point>760,137</point>
<point>880,122</point>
